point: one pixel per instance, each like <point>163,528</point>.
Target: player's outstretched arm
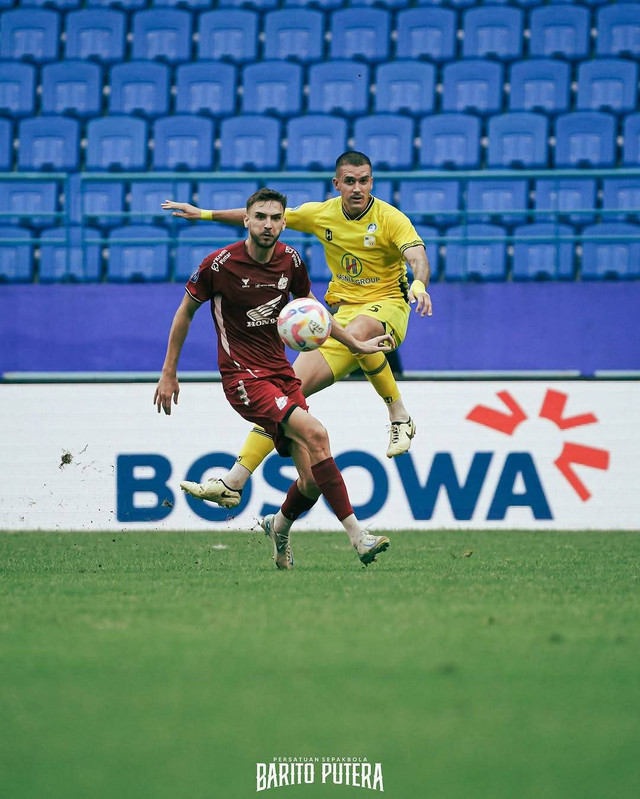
<point>168,387</point>
<point>417,259</point>
<point>233,216</point>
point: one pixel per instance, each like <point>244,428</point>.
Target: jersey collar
<point>364,213</point>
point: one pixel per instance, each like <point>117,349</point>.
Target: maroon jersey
<point>246,298</point>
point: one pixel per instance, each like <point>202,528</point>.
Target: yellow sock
<point>378,372</point>
<point>257,445</point>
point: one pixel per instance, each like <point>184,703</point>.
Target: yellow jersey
<point>363,254</point>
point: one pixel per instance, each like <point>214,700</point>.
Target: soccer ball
<point>304,324</point>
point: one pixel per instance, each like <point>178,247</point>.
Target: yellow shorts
<point>394,315</point>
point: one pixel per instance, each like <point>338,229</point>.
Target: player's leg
<point>377,370</point>
<point>315,374</point>
<point>311,452</point>
<point>302,496</point>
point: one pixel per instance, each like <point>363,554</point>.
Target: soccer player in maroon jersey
<point>247,284</point>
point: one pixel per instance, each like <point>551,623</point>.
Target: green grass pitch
<point>487,665</point>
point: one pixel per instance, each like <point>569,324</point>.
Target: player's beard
<point>263,243</point>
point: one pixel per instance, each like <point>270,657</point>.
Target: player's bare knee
<point>317,439</point>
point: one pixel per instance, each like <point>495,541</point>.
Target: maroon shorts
<point>266,402</point>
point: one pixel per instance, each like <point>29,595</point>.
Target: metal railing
<point>441,219</point>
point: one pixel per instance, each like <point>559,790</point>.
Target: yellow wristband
<point>207,216</point>
<point>418,287</point>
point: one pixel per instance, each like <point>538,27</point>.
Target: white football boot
<point>400,437</point>
<point>214,491</point>
<point>369,546</point>
<point>282,553</point>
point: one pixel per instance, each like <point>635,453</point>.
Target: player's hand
<point>183,210</point>
<point>383,343</point>
<point>423,300</point>
<point>167,388</point>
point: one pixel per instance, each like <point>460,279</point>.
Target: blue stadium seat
<point>621,194</point>
<point>139,87</point>
<point>355,34</point>
<point>607,84</point>
<point>426,33</point>
<point>197,241</point>
<point>472,86</point>
<point>6,144</point>
<point>450,140</point>
<point>16,257</point>
<point>116,143</point>
<point>27,200</point>
<point>147,196</point>
<point>619,30</point>
<point>429,235</point>
<point>406,87</point>
<point>387,139</point>
<point>191,5</point>
<point>66,255</point>
<point>391,4</point>
<point>127,5</point>
<point>539,84</point>
<point>567,198</point>
<point>611,259</point>
<point>64,5</point>
<point>72,87</point>
<point>559,31</point>
<point>631,140</point>
<point>49,143</point>
<point>17,89</point>
<point>207,87</point>
<point>340,87</point>
<point>383,190</point>
<point>222,195</point>
<point>544,259</point>
<point>518,139</point>
<point>183,142</point>
<point>317,263</point>
<point>146,258</point>
<point>492,32</point>
<point>96,34</point>
<point>585,138</point>
<point>315,141</point>
<point>272,87</point>
<point>475,260</point>
<point>161,34</point>
<point>433,201</point>
<point>94,202</point>
<point>299,36</point>
<point>259,5</point>
<point>31,34</point>
<point>327,5</point>
<point>229,35</point>
<point>499,200</point>
<point>300,191</point>
<point>250,142</point>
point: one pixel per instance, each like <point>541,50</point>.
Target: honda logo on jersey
<point>263,314</point>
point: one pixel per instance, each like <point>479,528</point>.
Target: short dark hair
<point>352,158</point>
<point>264,195</point>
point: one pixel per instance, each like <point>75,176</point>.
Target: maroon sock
<point>330,482</point>
<point>295,503</point>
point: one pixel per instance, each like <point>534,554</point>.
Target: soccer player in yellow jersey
<point>367,243</point>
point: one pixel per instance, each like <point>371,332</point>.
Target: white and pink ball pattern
<point>304,324</point>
